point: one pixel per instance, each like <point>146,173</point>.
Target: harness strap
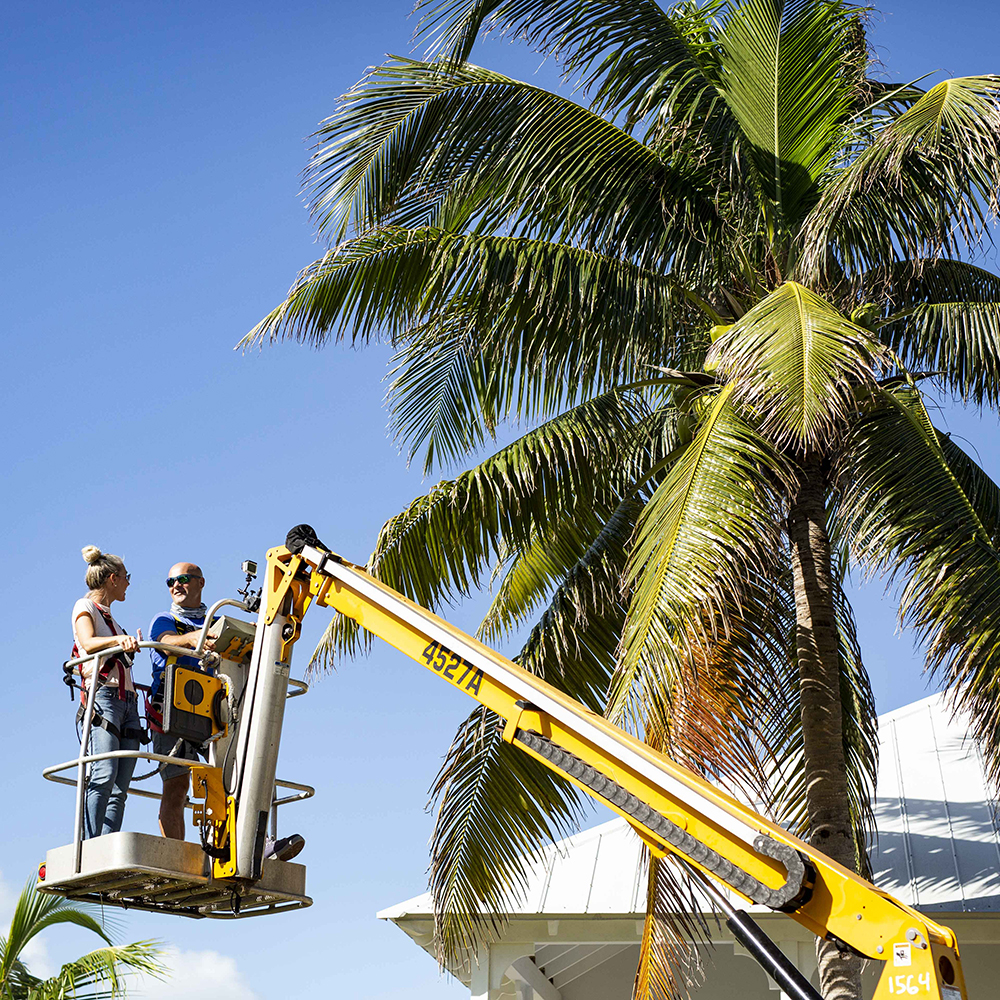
<point>181,627</point>
<point>154,713</point>
<point>120,661</point>
<point>101,722</point>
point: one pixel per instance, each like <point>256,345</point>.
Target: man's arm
<point>187,640</point>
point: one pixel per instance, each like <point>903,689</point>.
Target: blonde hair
<point>100,566</point>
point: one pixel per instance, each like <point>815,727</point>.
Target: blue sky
<point>151,169</point>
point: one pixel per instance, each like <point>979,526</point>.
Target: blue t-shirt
<point>169,623</point>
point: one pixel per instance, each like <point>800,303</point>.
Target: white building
<point>576,935</point>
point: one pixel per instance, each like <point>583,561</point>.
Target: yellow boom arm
<point>671,808</point>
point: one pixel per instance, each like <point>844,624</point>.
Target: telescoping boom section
<point>728,845</point>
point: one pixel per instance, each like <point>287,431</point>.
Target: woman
<point>116,723</point>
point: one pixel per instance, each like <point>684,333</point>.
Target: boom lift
<point>672,809</point>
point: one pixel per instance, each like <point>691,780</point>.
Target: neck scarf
<point>196,612</point>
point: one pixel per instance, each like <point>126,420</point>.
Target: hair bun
<point>91,553</point>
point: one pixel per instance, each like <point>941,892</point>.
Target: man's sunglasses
<point>183,578</point>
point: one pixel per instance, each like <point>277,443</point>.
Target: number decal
<point>904,985</point>
<point>446,663</point>
<point>449,671</point>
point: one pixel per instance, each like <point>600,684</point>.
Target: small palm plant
<point>98,974</point>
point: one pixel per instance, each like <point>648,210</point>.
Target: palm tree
<point>93,976</point>
<point>712,293</point>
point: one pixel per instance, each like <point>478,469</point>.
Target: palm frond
<point>897,287</point>
<point>104,973</point>
<point>449,28</point>
<point>983,493</point>
<point>94,976</point>
<point>909,517</point>
<point>412,133</point>
<point>443,395</point>
<point>894,97</point>
<point>33,913</point>
<point>497,809</point>
<point>669,959</point>
<point>926,186</point>
<point>718,719</point>
<point>709,528</point>
<point>18,982</point>
<point>587,537</point>
<point>443,544</point>
<point>944,316</point>
<point>530,574</point>
<point>528,326</point>
<point>721,717</point>
<point>343,638</point>
<point>574,642</point>
<point>799,364</point>
<point>786,82</point>
<point>960,340</point>
<point>644,61</point>
<point>622,49</point>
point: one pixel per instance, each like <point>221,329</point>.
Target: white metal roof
<point>938,844</point>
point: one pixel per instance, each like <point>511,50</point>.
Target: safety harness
<point>154,699</point>
<point>121,662</point>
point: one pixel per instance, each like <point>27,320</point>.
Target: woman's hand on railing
<point>129,643</point>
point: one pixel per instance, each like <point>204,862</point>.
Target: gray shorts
<point>163,744</point>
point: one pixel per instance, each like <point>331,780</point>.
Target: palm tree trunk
<point>817,646</point>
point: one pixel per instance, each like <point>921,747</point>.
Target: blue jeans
<point>108,781</point>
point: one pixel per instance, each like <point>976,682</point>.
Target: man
<point>181,626</point>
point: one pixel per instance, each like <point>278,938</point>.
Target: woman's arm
<point>83,629</point>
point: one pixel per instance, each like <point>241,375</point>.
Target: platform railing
<point>302,792</point>
<point>80,763</point>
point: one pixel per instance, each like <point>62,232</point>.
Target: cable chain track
<point>793,894</point>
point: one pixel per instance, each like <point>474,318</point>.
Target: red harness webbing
<point>114,663</point>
